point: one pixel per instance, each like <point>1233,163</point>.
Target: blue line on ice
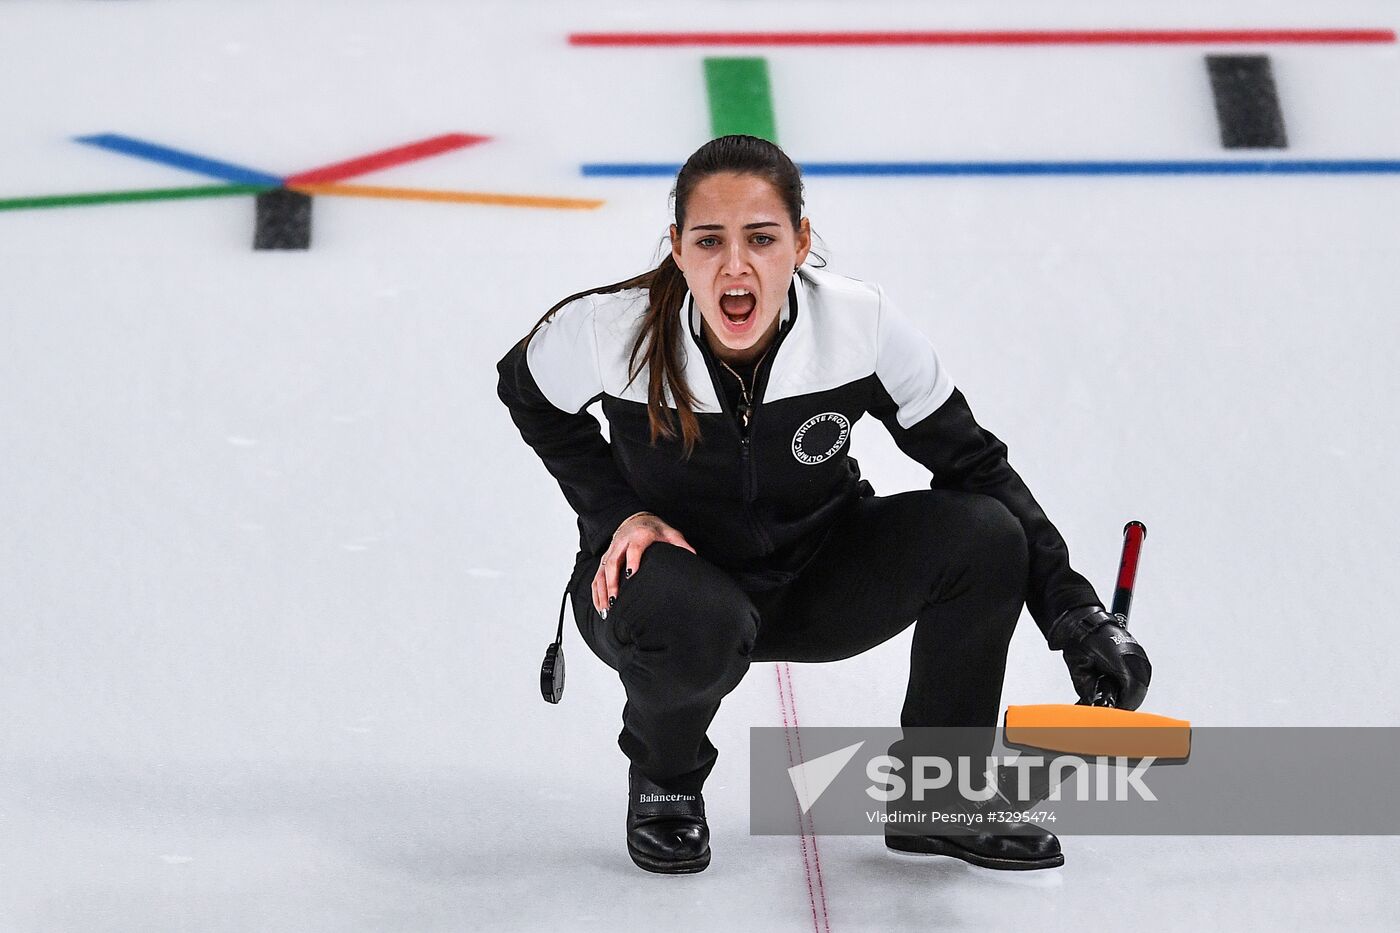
<point>1167,167</point>
<point>225,171</point>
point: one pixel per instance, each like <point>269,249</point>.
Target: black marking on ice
<point>1246,102</point>
<point>283,220</point>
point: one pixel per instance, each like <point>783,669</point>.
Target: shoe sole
<point>927,845</point>
<point>669,867</point>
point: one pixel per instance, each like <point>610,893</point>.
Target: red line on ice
<point>812,867</point>
<point>388,157</point>
<point>1020,37</point>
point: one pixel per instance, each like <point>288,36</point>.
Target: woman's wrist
<point>628,519</point>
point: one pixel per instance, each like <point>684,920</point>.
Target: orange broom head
<point>1091,731</point>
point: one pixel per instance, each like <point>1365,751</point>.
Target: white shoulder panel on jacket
<point>563,356</point>
<point>583,350</point>
<point>619,319</point>
<point>833,341</point>
<point>908,366</point>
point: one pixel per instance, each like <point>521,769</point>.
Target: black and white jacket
<point>759,502</point>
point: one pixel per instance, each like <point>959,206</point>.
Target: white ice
<point>276,570</point>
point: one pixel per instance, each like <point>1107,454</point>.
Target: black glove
<point>1097,645</point>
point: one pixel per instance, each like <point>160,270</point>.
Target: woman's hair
<point>659,336</point>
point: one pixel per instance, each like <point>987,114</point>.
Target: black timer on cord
<point>552,670</point>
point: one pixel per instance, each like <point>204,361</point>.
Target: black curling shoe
<point>1012,847</point>
<point>1036,849</point>
<point>666,831</point>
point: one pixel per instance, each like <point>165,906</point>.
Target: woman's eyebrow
<point>752,226</point>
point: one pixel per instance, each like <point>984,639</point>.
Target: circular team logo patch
<point>820,437</point>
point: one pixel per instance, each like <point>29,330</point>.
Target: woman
<point>724,521</point>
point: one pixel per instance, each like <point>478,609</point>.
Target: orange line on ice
<point>461,197</point>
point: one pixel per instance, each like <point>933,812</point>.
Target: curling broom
<point>1098,728</point>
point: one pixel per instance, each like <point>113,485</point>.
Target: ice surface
<point>278,570</point>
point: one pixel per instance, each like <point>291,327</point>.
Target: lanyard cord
<point>559,635</point>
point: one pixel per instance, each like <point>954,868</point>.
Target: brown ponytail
<point>663,328</point>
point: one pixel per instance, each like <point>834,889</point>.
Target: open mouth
<point>738,309</point>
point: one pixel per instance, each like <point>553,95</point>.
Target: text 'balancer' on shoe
<point>666,829</point>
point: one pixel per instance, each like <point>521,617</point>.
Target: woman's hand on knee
<point>624,554</point>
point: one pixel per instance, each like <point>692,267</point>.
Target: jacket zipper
<point>747,407</point>
<point>747,482</point>
<point>748,469</point>
<point>746,453</point>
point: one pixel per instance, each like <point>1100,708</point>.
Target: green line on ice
<point>148,194</point>
<point>740,98</point>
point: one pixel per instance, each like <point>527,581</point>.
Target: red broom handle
<point>1133,534</point>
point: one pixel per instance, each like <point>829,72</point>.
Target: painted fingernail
<point>627,572</point>
<point>611,600</point>
<point>603,614</point>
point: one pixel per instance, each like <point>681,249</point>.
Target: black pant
<point>682,632</point>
